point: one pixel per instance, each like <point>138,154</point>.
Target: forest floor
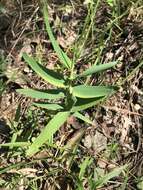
<point>94,32</point>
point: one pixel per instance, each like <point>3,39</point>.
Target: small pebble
<point>137,107</point>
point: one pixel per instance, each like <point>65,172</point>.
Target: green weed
<point>69,97</point>
<point>76,97</point>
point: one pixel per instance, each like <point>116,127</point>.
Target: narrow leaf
<point>48,132</point>
<point>62,56</point>
<point>98,68</point>
<point>83,167</point>
<point>83,118</point>
<point>103,180</point>
<point>48,106</point>
<point>83,104</point>
<point>79,185</point>
<point>47,74</point>
<point>41,94</point>
<point>110,2</point>
<point>15,144</point>
<point>83,91</point>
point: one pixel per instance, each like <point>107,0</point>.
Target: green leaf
<point>110,2</point>
<point>48,106</point>
<point>83,104</point>
<point>103,180</point>
<point>98,68</point>
<point>62,56</point>
<point>83,167</point>
<point>41,94</point>
<point>140,183</point>
<point>79,185</point>
<point>48,75</point>
<point>15,144</point>
<point>83,118</point>
<point>48,132</point>
<point>83,91</point>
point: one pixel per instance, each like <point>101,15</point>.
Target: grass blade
<point>61,55</point>
<point>47,74</point>
<point>41,94</point>
<point>84,91</point>
<point>131,74</point>
<point>98,68</point>
<point>83,167</point>
<point>103,180</point>
<point>110,2</point>
<point>48,106</point>
<point>15,144</point>
<point>48,132</point>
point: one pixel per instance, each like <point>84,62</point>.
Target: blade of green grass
<point>61,55</point>
<point>48,132</point>
<point>104,180</point>
<point>15,144</point>
<point>13,139</point>
<point>24,164</point>
<point>110,2</point>
<point>87,28</point>
<point>130,75</point>
<point>87,161</point>
<point>48,75</point>
<point>41,94</point>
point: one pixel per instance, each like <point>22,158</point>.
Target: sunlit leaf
<point>41,94</point>
<point>140,183</point>
<point>87,161</point>
<point>48,75</point>
<point>62,56</point>
<point>83,118</point>
<point>98,68</point>
<point>84,91</point>
<point>48,106</point>
<point>47,133</point>
<point>83,104</point>
<point>103,180</point>
<point>110,2</point>
<point>15,144</point>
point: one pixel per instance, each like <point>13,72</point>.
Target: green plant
<point>110,2</point>
<point>97,179</point>
<point>102,180</point>
<point>72,97</point>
